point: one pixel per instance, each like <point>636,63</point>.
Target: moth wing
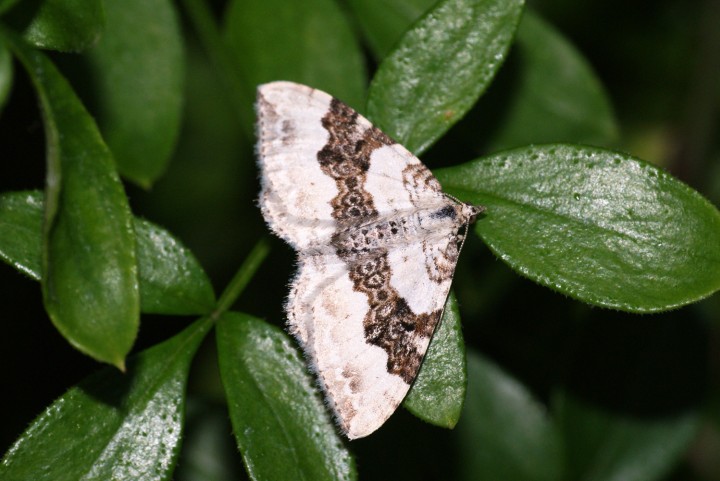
<point>295,196</point>
<point>365,357</point>
<point>364,322</point>
<point>296,193</point>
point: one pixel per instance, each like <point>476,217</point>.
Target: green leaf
<point>557,98</point>
<point>6,74</point>
<point>438,394</point>
<point>308,42</point>
<point>440,67</point>
<point>384,21</point>
<point>138,70</point>
<point>113,425</point>
<point>606,446</point>
<point>63,25</point>
<point>504,433</point>
<point>6,5</point>
<point>601,226</point>
<point>282,428</point>
<point>171,279</point>
<point>21,231</point>
<point>90,285</point>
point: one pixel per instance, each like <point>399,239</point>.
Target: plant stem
<point>246,272</point>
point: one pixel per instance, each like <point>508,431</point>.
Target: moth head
<point>470,212</point>
<point>465,213</point>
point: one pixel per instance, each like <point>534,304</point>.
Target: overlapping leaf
<point>438,393</point>
<point>171,280</point>
<point>598,225</point>
<point>113,425</point>
<point>21,231</point>
<point>554,96</point>
<point>440,67</point>
<point>137,70</point>
<point>64,25</point>
<point>282,428</point>
<point>89,277</point>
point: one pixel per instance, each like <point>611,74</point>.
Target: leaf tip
<point>120,364</point>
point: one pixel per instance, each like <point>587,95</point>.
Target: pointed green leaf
<point>308,42</point>
<point>282,428</point>
<point>64,25</point>
<point>504,433</point>
<point>597,225</point>
<point>438,394</point>
<point>384,21</point>
<point>606,446</point>
<point>440,67</point>
<point>113,425</point>
<point>6,74</point>
<point>171,279</point>
<point>557,98</point>
<point>137,68</point>
<point>90,285</point>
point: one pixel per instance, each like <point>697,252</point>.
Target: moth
<point>377,243</point>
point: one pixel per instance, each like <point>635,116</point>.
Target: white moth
<point>377,243</point>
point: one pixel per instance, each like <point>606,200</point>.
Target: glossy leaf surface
<point>89,277</point>
<point>281,425</point>
<point>597,225</point>
<point>171,279</point>
<point>438,393</point>
<point>440,67</point>
<point>113,425</point>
